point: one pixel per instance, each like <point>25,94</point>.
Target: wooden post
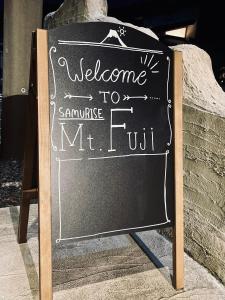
<point>28,192</point>
<point>178,232</point>
<point>29,188</point>
<point>45,251</point>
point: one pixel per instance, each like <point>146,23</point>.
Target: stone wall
<point>204,188</point>
<point>204,145</point>
<point>204,161</point>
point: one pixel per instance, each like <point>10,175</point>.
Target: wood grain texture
<point>45,255</point>
<point>30,149</point>
<point>31,193</point>
<point>178,234</point>
<point>28,167</point>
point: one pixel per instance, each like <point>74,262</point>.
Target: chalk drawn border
<point>167,220</point>
<point>93,44</point>
<point>169,106</point>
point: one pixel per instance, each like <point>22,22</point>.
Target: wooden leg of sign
<point>45,251</point>
<point>23,219</point>
<point>28,169</point>
<point>29,184</point>
<point>27,195</point>
<point>178,230</point>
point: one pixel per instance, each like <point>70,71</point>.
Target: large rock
<point>201,89</point>
<point>76,11</point>
<point>204,142</point>
<point>204,161</point>
<point>72,11</point>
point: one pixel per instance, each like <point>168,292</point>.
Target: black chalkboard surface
<point>111,131</point>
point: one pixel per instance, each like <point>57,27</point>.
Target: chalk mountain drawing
<point>113,39</point>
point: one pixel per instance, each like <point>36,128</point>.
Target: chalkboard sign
<point>112,161</point>
<point>110,145</point>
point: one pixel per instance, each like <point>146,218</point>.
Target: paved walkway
<point>106,269</point>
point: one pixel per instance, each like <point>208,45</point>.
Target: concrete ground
<point>109,268</point>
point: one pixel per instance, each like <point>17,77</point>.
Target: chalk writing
<point>110,108</point>
<point>97,73</point>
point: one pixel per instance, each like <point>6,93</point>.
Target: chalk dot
<point>100,149</point>
<point>23,90</point>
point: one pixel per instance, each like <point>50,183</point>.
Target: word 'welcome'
<point>105,75</point>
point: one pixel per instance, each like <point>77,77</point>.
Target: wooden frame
<point>178,230</point>
<point>45,247</point>
<point>44,167</point>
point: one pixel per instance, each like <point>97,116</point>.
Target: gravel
<point>10,183</point>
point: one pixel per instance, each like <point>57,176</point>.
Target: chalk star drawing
<point>122,31</point>
<point>149,63</point>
